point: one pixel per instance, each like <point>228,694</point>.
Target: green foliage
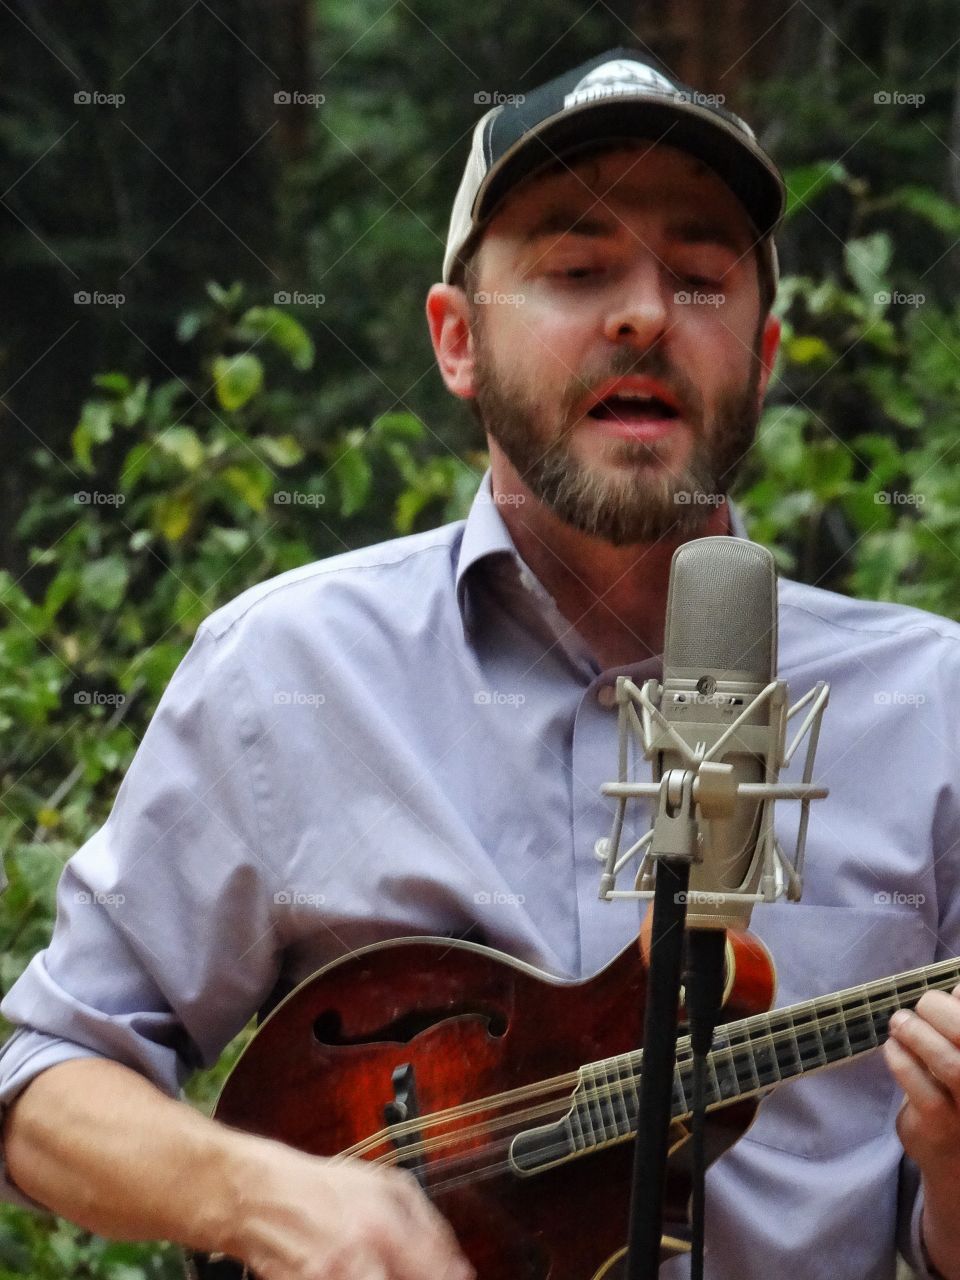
<point>855,480</point>
<point>181,494</point>
<point>233,438</point>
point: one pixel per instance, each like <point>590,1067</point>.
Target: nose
<point>638,314</point>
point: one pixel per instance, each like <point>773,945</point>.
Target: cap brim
<point>696,129</point>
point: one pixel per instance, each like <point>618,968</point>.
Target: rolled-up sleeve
<point>164,945</point>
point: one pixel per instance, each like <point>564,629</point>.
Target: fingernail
<point>898,1019</point>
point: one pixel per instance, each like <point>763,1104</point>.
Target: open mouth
<point>622,408</point>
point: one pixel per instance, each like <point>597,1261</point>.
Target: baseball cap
<point>618,94</point>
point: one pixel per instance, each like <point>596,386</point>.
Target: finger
<point>431,1247</point>
<point>943,1012</point>
<point>928,1046</point>
<point>920,1088</point>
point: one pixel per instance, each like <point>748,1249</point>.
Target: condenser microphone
<point>720,654</point>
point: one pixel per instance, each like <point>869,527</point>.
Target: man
<point>411,739</point>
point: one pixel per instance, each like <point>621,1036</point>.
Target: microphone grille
<point>722,608</point>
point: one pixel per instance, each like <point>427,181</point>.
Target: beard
<point>641,499</point>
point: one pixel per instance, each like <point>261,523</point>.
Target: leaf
<point>285,451</point>
<point>409,505</point>
<point>281,329</point>
<point>809,181</point>
<point>173,514</point>
<point>226,298</point>
<point>252,483</point>
<point>183,444</point>
<point>118,382</point>
<point>398,426</point>
<point>926,204</point>
<point>133,405</point>
<point>104,581</point>
<point>237,379</point>
<point>188,325</point>
<point>95,427</point>
<point>807,350</point>
<point>352,472</point>
<point>134,465</point>
<point>866,261</point>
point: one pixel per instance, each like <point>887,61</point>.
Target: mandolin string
<point>597,1094</point>
<point>847,1001</point>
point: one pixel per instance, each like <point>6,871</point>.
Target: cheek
<point>552,339</point>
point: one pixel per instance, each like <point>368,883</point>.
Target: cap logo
<point>619,77</point>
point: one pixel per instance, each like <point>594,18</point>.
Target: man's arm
<point>99,1144</point>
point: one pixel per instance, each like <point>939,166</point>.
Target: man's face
<point>616,328</point>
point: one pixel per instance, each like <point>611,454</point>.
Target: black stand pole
<point>659,1063</point>
<point>704,983</point>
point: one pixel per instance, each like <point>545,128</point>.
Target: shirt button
<point>607,695</point>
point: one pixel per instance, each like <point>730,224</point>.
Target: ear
<point>449,320</point>
<point>769,346</point>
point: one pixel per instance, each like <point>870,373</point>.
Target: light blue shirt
<point>410,739</point>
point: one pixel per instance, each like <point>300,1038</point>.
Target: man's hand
<point>102,1146</point>
<point>923,1053</point>
<point>300,1217</point>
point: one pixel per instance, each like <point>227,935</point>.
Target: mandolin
<point>512,1095</point>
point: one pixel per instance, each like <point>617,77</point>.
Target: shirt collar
<point>487,538</point>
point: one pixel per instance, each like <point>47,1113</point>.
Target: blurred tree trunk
<point>716,46</point>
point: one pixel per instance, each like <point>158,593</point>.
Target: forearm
<point>100,1145</point>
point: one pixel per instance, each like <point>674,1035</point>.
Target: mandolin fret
<point>753,1054</point>
<point>818,1033</point>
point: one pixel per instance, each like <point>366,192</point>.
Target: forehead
<point>640,177</point>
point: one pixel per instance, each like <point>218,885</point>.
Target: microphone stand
<point>704,998</point>
<point>655,1107</point>
<point>675,830</point>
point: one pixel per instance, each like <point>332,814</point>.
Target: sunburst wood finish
<point>474,1025</point>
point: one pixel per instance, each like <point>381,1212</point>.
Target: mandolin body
<point>474,1024</point>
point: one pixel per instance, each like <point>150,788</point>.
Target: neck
<point>615,597</point>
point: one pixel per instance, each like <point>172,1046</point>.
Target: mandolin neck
<point>759,1052</point>
<point>748,1057</point>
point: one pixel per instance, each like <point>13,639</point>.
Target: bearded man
<point>411,738</point>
